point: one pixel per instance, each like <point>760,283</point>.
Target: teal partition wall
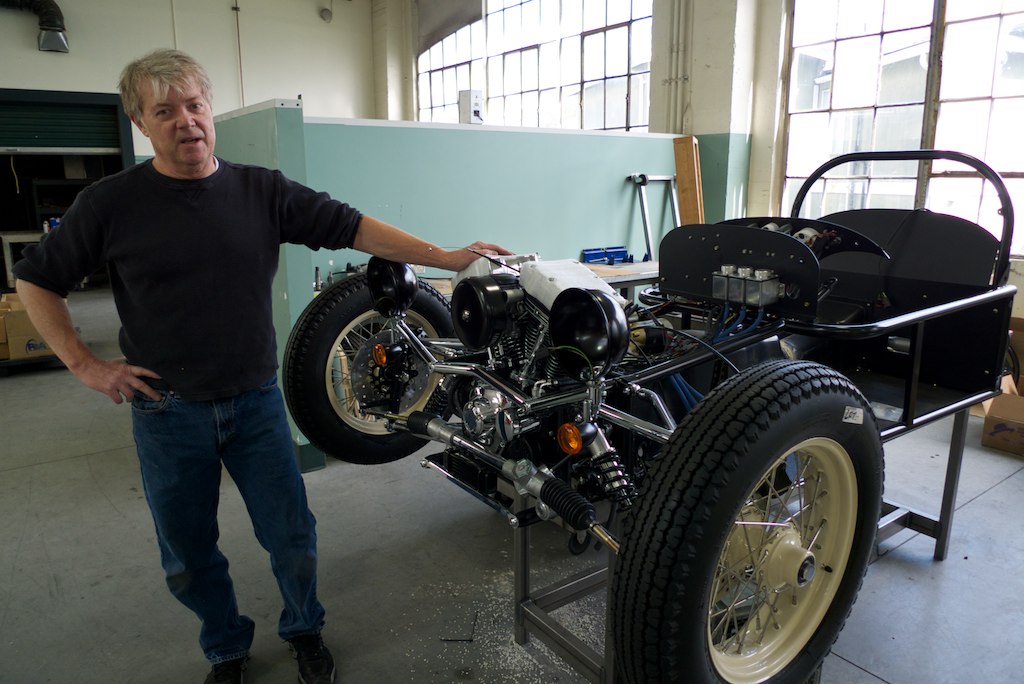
<point>550,192</point>
<point>271,135</point>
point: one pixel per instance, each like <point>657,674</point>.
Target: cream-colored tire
<point>744,556</point>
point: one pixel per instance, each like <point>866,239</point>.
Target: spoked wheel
<point>744,556</point>
<point>783,561</point>
<point>331,378</point>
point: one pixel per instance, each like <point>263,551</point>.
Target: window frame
<point>786,185</point>
<point>566,109</point>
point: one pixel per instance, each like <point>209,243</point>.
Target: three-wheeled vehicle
<point>722,437</point>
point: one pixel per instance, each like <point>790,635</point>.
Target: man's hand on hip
<point>117,379</point>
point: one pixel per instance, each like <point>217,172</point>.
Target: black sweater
<point>191,266</point>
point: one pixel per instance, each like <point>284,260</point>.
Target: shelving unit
<point>38,189</point>
<point>52,145</point>
<point>52,197</point>
<point>11,245</point>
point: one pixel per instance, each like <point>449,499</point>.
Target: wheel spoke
<point>816,495</point>
<point>343,392</point>
<point>813,542</point>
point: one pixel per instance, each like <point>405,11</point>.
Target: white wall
<point>286,50</point>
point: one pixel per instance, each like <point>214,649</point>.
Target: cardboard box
<point>5,348</point>
<point>1004,424</point>
<point>11,301</point>
<point>981,409</point>
<point>20,339</point>
<point>23,340</point>
<point>1017,336</point>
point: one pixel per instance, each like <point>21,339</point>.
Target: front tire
<point>323,352</point>
<point>745,554</point>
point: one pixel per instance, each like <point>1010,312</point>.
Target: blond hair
<point>163,70</point>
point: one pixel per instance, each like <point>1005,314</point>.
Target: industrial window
<point>863,77</point>
<point>548,63</point>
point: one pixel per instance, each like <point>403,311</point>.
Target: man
<point>192,244</point>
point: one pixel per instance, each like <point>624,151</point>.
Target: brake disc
<point>400,381</point>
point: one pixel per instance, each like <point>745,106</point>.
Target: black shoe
<point>316,666</point>
<point>228,672</point>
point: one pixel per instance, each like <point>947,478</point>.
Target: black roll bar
<point>1002,271</point>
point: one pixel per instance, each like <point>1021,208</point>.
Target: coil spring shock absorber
<point>617,484</point>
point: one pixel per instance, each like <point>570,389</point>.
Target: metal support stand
<point>533,609</point>
<point>896,517</point>
<point>641,180</point>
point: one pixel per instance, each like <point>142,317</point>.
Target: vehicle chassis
<point>859,338</point>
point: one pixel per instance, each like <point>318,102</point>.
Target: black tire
<point>318,362</point>
<point>714,553</point>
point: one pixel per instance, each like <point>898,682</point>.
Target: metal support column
<point>953,465</point>
<point>896,517</point>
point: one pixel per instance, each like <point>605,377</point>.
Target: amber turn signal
<point>569,439</point>
<point>380,355</point>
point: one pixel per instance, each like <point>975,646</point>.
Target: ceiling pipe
<point>52,37</point>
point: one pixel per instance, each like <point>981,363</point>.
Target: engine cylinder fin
<point>535,334</point>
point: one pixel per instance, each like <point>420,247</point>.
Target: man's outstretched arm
<point>388,242</point>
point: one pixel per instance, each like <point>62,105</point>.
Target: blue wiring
<point>700,397</point>
<point>735,325</point>
<point>721,322</point>
<point>687,393</point>
<point>757,319</point>
<point>732,326</point>
<point>681,393</point>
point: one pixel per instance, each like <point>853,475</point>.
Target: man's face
<point>180,126</point>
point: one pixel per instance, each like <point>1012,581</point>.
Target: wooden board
<point>691,193</point>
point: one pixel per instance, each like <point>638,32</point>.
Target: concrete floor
<point>416,575</point>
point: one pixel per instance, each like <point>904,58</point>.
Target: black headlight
<point>392,286</point>
<point>589,331</point>
<point>480,308</point>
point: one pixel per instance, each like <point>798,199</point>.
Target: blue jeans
<point>181,446</point>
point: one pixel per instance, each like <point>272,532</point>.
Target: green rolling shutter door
<point>58,125</point>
